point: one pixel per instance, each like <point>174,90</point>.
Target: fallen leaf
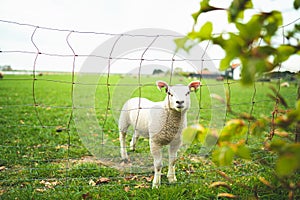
<point>220,184</point>
<point>102,180</point>
<point>131,178</point>
<point>143,185</point>
<point>40,189</point>
<point>55,183</point>
<point>126,188</point>
<point>148,179</point>
<point>2,168</point>
<point>227,195</point>
<point>61,147</point>
<point>86,195</point>
<point>92,183</point>
<point>134,178</point>
<point>291,194</point>
<point>224,176</point>
<point>190,169</point>
<point>49,184</point>
<point>22,122</point>
<point>281,133</point>
<point>264,181</point>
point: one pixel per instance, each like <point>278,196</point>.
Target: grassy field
<point>43,152</point>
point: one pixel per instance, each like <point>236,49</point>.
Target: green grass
<point>38,163</point>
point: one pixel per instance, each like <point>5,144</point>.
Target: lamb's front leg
<point>123,146</point>
<point>174,146</point>
<point>157,156</point>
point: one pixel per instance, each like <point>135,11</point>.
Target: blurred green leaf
<point>188,135</point>
<point>283,53</point>
<point>288,156</point>
<point>233,47</point>
<point>296,4</point>
<point>195,16</point>
<point>180,42</point>
<point>294,149</point>
<point>204,7</point>
<point>295,114</point>
<point>251,30</point>
<point>277,145</point>
<point>184,43</point>
<point>271,22</point>
<point>236,9</point>
<point>211,139</point>
<point>243,151</point>
<point>253,66</point>
<point>193,134</point>
<point>223,156</point>
<point>271,28</point>
<point>205,32</point>
<point>225,62</point>
<point>247,72</point>
<point>261,65</point>
<point>201,134</point>
<point>286,165</point>
<point>259,127</point>
<point>264,51</point>
<point>274,20</point>
<point>232,128</point>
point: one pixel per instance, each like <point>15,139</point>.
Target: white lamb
<point>161,122</point>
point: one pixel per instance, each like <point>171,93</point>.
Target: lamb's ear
<point>161,84</point>
<point>194,85</point>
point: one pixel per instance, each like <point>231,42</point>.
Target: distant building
<point>286,75</point>
<point>205,73</point>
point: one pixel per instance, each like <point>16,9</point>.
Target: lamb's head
<point>178,96</point>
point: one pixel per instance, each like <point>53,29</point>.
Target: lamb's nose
<point>180,102</point>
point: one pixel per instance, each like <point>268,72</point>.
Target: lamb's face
<point>178,96</point>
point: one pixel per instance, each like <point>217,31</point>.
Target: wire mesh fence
<point>48,143</point>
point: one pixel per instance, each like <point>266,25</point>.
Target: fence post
<point>297,131</point>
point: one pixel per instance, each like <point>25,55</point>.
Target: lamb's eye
<point>187,93</point>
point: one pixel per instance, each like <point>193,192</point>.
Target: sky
<point>105,16</point>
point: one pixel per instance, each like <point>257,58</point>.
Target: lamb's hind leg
<point>174,146</point>
<point>134,139</point>
<point>123,146</point>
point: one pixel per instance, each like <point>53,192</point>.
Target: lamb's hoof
<point>172,179</point>
<point>132,148</point>
<point>125,160</point>
<point>155,186</point>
